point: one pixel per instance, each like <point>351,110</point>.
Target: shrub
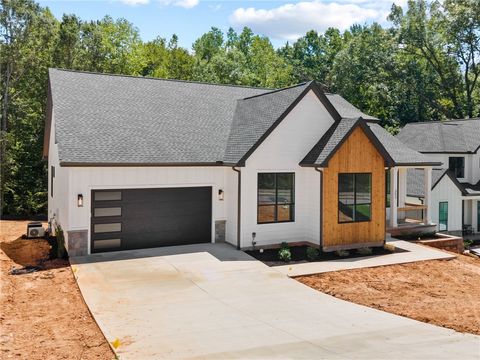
<point>312,253</point>
<point>467,243</point>
<point>342,253</point>
<point>365,251</point>
<point>61,251</point>
<point>284,254</point>
<point>284,245</point>
<point>389,247</point>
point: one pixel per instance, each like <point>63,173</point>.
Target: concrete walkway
<point>413,253</point>
<point>213,302</point>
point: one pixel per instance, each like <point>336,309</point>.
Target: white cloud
<point>290,21</point>
<point>135,2</point>
<point>186,4</point>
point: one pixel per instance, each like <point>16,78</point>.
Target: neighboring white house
<point>456,184</point>
<point>139,162</point>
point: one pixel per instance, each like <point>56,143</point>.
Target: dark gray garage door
<point>143,218</point>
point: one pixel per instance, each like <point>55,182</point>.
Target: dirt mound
<point>43,314</point>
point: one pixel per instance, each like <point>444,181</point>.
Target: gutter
<point>239,205</point>
<point>320,170</point>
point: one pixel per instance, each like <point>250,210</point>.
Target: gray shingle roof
<point>415,180</point>
<point>347,110</point>
<point>394,150</point>
<point>253,118</point>
<point>329,142</point>
<point>121,120</point>
<point>454,136</point>
<point>400,153</point>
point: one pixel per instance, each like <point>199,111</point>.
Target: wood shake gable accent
<point>356,154</point>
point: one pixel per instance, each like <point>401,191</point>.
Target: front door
<point>443,216</point>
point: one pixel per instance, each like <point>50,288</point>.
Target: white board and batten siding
<point>85,179</point>
<point>472,165</point>
<point>58,206</point>
<point>447,191</point>
<point>282,151</point>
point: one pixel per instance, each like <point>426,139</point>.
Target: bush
<point>284,245</point>
<point>312,253</point>
<point>342,253</point>
<point>61,250</point>
<point>365,251</point>
<point>389,247</point>
<point>284,254</point>
<point>467,243</point>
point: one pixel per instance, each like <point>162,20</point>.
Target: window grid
<point>354,206</point>
<point>275,204</point>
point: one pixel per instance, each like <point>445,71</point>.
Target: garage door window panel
<point>108,196</point>
<point>107,227</point>
<point>107,244</point>
<point>107,211</point>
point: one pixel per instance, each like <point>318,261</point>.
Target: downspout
<point>320,170</point>
<point>239,205</point>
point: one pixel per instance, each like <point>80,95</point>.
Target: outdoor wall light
<point>220,194</point>
<point>79,200</point>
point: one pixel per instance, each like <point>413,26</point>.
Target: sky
<point>281,21</point>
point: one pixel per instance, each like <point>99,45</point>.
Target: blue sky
<point>280,20</point>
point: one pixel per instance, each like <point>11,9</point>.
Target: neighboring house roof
<point>108,120</point>
<point>471,189</point>
<point>415,183</point>
<point>394,152</point>
<point>454,136</point>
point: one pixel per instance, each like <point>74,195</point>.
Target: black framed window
<point>457,165</point>
<point>275,197</point>
<point>354,197</point>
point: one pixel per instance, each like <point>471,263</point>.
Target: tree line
<point>423,66</point>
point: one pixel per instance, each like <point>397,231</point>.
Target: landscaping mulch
<point>299,255</point>
<point>42,313</point>
<point>442,292</point>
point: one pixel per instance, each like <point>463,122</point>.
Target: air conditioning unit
<point>35,230</point>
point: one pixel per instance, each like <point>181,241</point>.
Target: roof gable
<point>415,181</point>
<point>115,120</point>
<point>257,117</point>
<point>333,139</point>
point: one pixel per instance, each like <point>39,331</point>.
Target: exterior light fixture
<point>220,194</point>
<point>79,200</point>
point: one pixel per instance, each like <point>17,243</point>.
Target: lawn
<point>43,315</point>
<point>442,292</point>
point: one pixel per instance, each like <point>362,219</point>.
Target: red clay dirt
<point>442,292</point>
<point>42,314</point>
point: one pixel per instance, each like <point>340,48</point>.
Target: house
<point>139,162</point>
<point>456,184</point>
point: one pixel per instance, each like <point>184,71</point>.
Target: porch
<point>471,217</point>
<point>405,217</point>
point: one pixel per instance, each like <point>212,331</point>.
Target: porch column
<point>427,189</point>
<point>402,187</point>
<point>393,197</point>
<point>474,215</point>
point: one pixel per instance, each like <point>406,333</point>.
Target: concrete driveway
<point>213,302</point>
